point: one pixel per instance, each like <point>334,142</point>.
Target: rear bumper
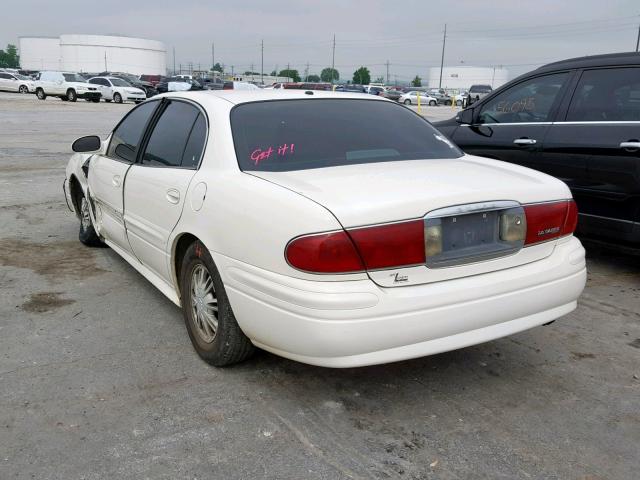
<point>355,323</point>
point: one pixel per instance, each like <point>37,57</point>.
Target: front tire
<point>433,103</point>
<point>213,329</point>
<point>72,95</point>
<point>407,102</point>
<point>117,97</point>
<point>40,94</point>
<point>87,234</point>
<point>23,89</point>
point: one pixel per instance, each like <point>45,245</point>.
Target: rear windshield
<point>285,135</point>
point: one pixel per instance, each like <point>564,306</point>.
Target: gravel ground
<point>98,378</point>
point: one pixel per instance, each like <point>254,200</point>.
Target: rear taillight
<point>393,245</point>
<point>324,253</point>
<point>546,221</point>
<point>359,249</point>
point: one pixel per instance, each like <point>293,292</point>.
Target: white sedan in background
<point>118,90</point>
<point>411,98</point>
<point>14,82</point>
<point>329,228</point>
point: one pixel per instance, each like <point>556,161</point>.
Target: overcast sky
<point>517,34</point>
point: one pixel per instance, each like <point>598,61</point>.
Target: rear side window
<point>286,135</point>
<point>611,94</point>
<point>127,135</point>
<point>195,144</point>
<point>529,101</point>
<point>169,138</point>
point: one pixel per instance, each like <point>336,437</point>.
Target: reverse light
<point>546,221</point>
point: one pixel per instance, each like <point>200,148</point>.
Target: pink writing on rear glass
<point>260,154</point>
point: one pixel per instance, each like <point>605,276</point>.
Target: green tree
<point>291,73</point>
<point>313,78</point>
<point>329,75</point>
<point>362,76</point>
<point>416,82</point>
<point>273,73</point>
<point>380,79</point>
<point>217,68</point>
<point>9,58</point>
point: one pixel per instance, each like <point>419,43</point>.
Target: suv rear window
<point>480,89</point>
<point>285,135</point>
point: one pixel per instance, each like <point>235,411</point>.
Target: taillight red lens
<point>383,246</point>
<point>393,245</point>
<point>324,253</point>
<point>546,221</point>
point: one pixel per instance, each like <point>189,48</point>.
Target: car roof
<point>609,59</point>
<point>247,96</point>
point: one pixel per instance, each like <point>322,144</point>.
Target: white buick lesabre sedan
<point>334,229</point>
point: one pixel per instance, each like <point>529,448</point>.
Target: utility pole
<point>444,41</point>
<point>638,40</point>
<point>306,73</point>
<point>105,62</point>
<point>333,59</point>
<point>262,62</point>
<point>213,56</point>
<point>387,72</point>
<point>174,60</point>
<point>232,70</point>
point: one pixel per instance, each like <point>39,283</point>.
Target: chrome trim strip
<point>613,122</point>
<point>472,207</point>
<point>606,218</point>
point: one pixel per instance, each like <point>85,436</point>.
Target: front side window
<point>94,81</point>
<point>73,77</point>
<point>170,135</point>
<point>529,101</point>
<point>286,135</point>
<point>607,95</point>
<point>117,82</point>
<point>125,140</point>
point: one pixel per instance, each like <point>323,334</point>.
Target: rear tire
<point>432,103</point>
<point>407,102</point>
<point>64,98</point>
<point>95,100</point>
<point>212,327</point>
<point>72,95</point>
<point>117,97</point>
<point>40,94</point>
<point>458,103</point>
<point>108,101</point>
<point>87,234</point>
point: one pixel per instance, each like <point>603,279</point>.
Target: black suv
<point>578,120</point>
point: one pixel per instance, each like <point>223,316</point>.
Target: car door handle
<point>630,145</point>
<point>173,195</point>
<point>524,141</point>
<point>116,180</point>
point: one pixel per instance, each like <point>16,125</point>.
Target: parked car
<point>392,94</point>
<point>441,98</point>
<point>351,87</point>
<point>411,98</point>
<point>14,82</point>
<point>152,79</point>
<point>461,99</point>
<point>578,120</point>
<point>118,90</point>
<point>304,226</point>
<point>134,81</point>
<point>375,90</point>
<point>66,86</point>
<point>178,84</point>
<point>478,92</point>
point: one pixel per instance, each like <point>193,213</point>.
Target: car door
<point>601,130</point>
<point>156,187</point>
<point>5,82</point>
<point>108,172</point>
<point>512,124</point>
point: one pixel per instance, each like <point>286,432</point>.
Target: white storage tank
<point>40,53</point>
<point>94,53</point>
<point>462,77</point>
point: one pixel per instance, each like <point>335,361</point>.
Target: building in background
<point>93,53</point>
<point>462,77</point>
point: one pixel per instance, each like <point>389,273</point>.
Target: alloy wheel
<point>204,304</point>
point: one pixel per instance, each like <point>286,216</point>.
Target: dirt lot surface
<point>98,378</point>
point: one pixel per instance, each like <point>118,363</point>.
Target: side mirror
<point>465,116</point>
<point>90,143</point>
